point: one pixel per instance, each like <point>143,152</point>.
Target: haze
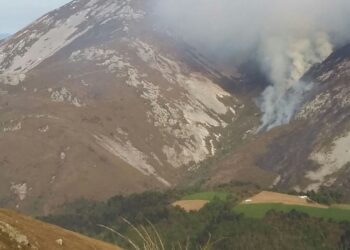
<point>285,37</point>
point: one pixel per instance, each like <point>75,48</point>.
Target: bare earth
<point>272,197</point>
<point>18,231</point>
<point>190,205</point>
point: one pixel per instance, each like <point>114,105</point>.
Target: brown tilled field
<point>190,205</point>
<point>22,232</point>
<point>272,197</point>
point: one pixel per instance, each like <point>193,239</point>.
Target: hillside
<point>97,99</point>
<point>310,152</point>
<point>22,232</point>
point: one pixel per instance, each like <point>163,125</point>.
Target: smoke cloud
<point>284,37</point>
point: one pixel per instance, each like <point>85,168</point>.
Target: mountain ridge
<point>112,102</point>
<point>98,99</point>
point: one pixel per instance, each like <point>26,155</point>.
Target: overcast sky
<point>16,14</point>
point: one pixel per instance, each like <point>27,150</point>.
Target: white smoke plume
<point>285,61</point>
<point>286,37</point>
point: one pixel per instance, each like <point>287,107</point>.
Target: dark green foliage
<point>216,222</point>
<point>345,240</point>
<point>325,196</point>
<point>258,211</point>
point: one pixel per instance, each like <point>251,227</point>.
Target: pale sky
<point>16,14</point>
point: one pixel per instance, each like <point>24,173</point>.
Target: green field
<point>209,196</point>
<point>258,211</point>
<point>341,206</point>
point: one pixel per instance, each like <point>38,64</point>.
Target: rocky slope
<point>97,99</point>
<point>22,232</point>
<point>314,149</point>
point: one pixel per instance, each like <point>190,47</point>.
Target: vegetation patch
<point>208,196</point>
<point>259,211</point>
<point>341,206</point>
<point>216,223</point>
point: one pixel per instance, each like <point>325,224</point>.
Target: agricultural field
<point>209,196</point>
<point>266,197</point>
<point>258,211</point>
<point>258,205</point>
<point>191,205</point>
<point>342,206</point>
<point>196,201</point>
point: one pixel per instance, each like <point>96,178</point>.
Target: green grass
<point>209,196</point>
<point>258,211</point>
<point>341,206</point>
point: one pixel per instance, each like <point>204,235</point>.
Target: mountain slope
<point>21,232</point>
<point>97,99</point>
<point>313,150</point>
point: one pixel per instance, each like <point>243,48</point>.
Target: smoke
<point>284,37</point>
<point>285,60</point>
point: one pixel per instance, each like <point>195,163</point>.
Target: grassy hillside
<point>22,232</point>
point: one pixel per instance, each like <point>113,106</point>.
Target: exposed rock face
<point>96,99</point>
<point>13,235</point>
<point>329,109</point>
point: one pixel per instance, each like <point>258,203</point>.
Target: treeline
<point>216,223</point>
<point>324,196</point>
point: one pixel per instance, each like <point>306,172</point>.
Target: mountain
<point>22,232</point>
<point>98,99</point>
<point>313,150</point>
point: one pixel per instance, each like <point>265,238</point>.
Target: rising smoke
<point>285,60</point>
<point>286,37</point>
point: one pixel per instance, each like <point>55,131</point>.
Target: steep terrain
<point>22,232</point>
<point>314,149</point>
<point>98,99</point>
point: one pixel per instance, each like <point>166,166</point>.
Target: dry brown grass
<point>272,197</point>
<point>190,205</point>
<point>42,236</point>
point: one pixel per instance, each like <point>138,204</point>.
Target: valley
<point>168,125</point>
